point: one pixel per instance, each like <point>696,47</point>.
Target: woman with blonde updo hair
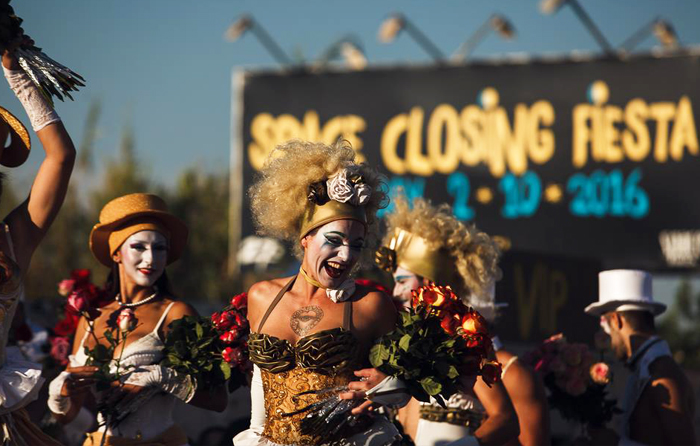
<point>424,244</point>
<point>312,331</point>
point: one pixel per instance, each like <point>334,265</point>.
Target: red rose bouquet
<point>438,339</point>
<point>214,350</point>
<point>577,386</point>
<point>83,297</point>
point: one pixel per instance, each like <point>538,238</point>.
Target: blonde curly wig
<point>474,253</point>
<point>279,196</point>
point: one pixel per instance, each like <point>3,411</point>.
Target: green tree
<point>679,326</point>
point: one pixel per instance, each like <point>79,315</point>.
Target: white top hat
<point>624,290</point>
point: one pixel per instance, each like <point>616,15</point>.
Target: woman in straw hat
<point>24,228</point>
<point>313,331</point>
<point>427,244</point>
<point>136,238</point>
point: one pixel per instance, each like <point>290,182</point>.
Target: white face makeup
<point>144,256</point>
<point>404,282</point>
<point>332,250</point>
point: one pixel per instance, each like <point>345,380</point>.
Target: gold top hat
<point>18,151</point>
<point>413,253</point>
<point>127,215</point>
<point>318,215</point>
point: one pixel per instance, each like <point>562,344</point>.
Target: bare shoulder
<point>261,295</point>
<point>519,379</point>
<point>178,310</point>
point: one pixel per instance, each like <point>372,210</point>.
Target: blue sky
<point>163,67</point>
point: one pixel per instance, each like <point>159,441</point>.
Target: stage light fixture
<point>246,23</point>
<point>392,26</point>
<point>497,23</point>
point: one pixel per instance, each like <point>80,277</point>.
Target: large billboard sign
<point>594,159</point>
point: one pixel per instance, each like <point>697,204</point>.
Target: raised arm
<point>30,221</point>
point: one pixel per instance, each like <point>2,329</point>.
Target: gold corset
<point>322,360</point>
<point>280,389</point>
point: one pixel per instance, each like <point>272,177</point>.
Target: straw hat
<point>18,151</point>
<point>624,290</point>
<point>127,215</point>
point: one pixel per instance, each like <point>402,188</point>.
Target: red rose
<point>240,301</point>
<point>491,372</point>
<point>233,355</point>
<point>60,349</point>
<point>473,323</point>
<point>80,276</point>
<point>449,323</point>
<point>67,325</point>
<point>230,336</point>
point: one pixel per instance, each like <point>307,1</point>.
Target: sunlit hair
<point>279,196</point>
<point>474,253</point>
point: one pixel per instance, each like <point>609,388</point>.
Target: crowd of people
<point>311,333</point>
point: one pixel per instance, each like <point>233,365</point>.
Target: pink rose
<point>571,355</point>
<point>60,349</point>
<point>65,287</point>
<point>126,320</point>
<point>575,386</point>
<point>600,373</point>
<point>556,365</point>
<point>78,302</point>
<point>234,356</point>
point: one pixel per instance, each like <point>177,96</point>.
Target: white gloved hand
<point>39,110</point>
<point>58,403</point>
<point>166,379</point>
<point>391,392</point>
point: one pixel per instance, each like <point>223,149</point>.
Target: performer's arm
<point>67,392</point>
<point>530,402</point>
<point>501,425</point>
<point>30,221</point>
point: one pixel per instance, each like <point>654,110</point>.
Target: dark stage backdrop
<point>569,160</point>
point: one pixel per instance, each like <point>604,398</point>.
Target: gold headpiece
<point>318,215</point>
<point>412,252</point>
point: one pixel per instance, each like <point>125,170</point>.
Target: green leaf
<point>405,342</point>
<point>377,355</point>
<point>226,369</point>
<point>430,386</point>
<point>453,372</point>
<point>199,330</point>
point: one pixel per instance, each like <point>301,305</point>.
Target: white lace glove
<point>39,110</point>
<point>166,379</point>
<point>57,403</point>
<point>391,392</point>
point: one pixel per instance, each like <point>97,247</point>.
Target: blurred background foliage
<point>199,198</point>
<point>680,328</point>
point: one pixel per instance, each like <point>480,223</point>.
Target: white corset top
<point>155,415</point>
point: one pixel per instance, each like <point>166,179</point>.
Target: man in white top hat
<point>659,406</point>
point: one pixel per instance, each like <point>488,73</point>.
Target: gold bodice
<point>322,360</point>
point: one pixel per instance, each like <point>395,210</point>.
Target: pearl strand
<point>118,298</point>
